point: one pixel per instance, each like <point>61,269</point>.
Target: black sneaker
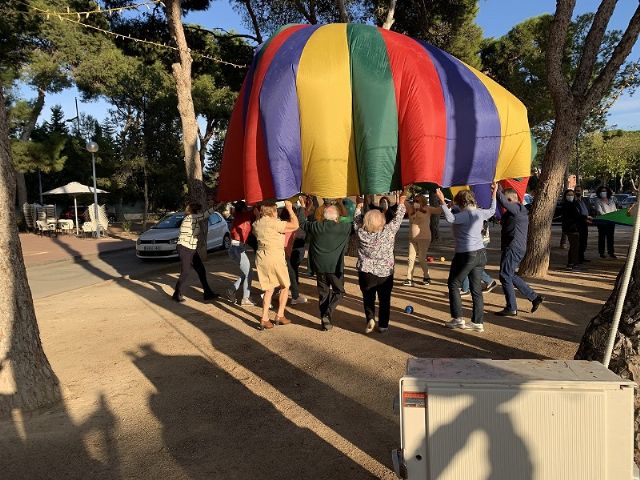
<point>506,313</point>
<point>536,302</point>
<point>490,287</point>
<point>426,281</point>
<point>613,255</point>
<point>211,296</point>
<point>326,324</point>
<point>408,283</point>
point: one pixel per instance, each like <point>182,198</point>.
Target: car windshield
<point>172,220</point>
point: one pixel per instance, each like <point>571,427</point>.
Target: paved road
<point>54,278</point>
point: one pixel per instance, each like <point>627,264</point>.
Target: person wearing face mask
<point>583,224</point>
<point>570,220</point>
<point>605,204</point>
<point>515,226</point>
<point>470,257</point>
<point>419,237</point>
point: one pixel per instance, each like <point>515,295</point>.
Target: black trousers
<point>467,264</point>
<point>583,231</point>
<point>330,291</point>
<point>190,259</point>
<point>372,285</point>
<point>574,248</point>
<point>605,232</point>
<point>293,264</point>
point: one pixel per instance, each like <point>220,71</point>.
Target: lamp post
<point>93,148</point>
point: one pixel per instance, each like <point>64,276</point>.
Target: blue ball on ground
<point>408,309</point>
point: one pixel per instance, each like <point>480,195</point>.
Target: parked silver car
<point>160,241</point>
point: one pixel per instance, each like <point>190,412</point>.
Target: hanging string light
<point>68,17</point>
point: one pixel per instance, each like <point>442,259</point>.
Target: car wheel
<point>226,242</point>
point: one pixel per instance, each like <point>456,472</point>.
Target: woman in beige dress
<point>271,263</point>
<point>419,236</point>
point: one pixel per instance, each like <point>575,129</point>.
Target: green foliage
<point>447,24</point>
<point>611,154</point>
<point>45,155</point>
<point>517,61</point>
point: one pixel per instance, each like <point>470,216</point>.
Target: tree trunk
<point>182,75</point>
<point>625,360</point>
<point>254,20</point>
<point>342,11</point>
<point>26,378</point>
<point>388,23</point>
<point>536,261</point>
<point>145,214</point>
<point>21,184</point>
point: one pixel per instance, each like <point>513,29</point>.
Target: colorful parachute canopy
<point>346,109</point>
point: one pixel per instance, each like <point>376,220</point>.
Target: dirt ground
<point>155,389</point>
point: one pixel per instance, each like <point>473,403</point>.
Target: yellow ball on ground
<point>442,259</point>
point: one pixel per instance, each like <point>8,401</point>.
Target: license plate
<point>147,248</point>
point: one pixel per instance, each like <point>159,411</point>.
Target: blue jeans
<point>485,278</point>
<point>467,264</point>
<point>509,264</point>
<point>238,253</point>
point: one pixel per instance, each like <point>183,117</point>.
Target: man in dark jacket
<point>515,226</point>
<point>328,239</point>
<point>583,223</point>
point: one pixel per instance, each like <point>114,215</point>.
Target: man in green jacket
<point>328,240</point>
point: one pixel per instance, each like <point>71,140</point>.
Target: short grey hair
<point>331,213</point>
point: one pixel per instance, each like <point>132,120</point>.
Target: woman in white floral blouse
<point>376,240</point>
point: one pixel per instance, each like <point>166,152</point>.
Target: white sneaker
<point>247,302</point>
<point>371,324</point>
<point>382,329</point>
<point>476,327</point>
<point>455,323</point>
<point>300,299</point>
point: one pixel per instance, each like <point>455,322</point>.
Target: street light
<point>93,148</point>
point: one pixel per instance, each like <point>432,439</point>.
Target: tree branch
<point>300,7</point>
<point>620,53</point>
<point>558,86</point>
<point>225,34</point>
<point>254,20</point>
<point>388,23</point>
<point>592,46</point>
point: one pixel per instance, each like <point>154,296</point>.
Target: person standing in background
<point>570,220</point>
<point>419,237</point>
<point>583,224</point>
<point>605,204</point>
<point>240,231</point>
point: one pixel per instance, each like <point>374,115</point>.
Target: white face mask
<point>570,198</point>
<point>603,194</point>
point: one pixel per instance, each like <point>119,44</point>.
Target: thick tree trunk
<point>26,378</point>
<point>182,76</point>
<point>21,184</point>
<point>536,261</point>
<point>625,360</point>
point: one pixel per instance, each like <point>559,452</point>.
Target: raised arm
<point>292,225</point>
<point>357,215</point>
<point>397,220</point>
<point>513,208</point>
<point>448,214</point>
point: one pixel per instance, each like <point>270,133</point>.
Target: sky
<point>496,17</point>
